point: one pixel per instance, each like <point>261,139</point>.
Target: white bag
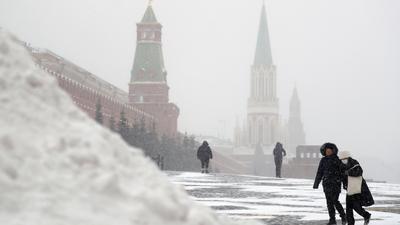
<point>354,185</point>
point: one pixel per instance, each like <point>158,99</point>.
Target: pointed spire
<point>295,102</point>
<point>295,94</point>
<point>263,54</point>
<point>149,15</point>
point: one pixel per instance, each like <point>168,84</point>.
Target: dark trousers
<point>354,203</point>
<point>332,202</point>
<point>278,166</point>
<point>204,165</point>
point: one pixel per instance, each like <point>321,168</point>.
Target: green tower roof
<point>263,54</point>
<point>148,65</point>
<point>149,16</point>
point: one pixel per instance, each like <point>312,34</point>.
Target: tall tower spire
<point>296,134</point>
<point>262,105</point>
<point>263,54</point>
<point>295,106</point>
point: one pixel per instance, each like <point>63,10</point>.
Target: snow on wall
<point>59,167</point>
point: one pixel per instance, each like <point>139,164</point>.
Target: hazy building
<point>295,130</point>
<point>263,124</point>
<point>148,96</point>
<point>148,88</point>
<point>305,164</point>
<point>87,89</point>
<point>263,105</point>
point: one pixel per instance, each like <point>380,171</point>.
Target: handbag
<point>354,184</point>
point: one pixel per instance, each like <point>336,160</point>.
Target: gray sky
<point>344,56</point>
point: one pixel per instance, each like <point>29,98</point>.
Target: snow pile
<point>58,167</point>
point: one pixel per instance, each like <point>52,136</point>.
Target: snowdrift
<point>59,167</point>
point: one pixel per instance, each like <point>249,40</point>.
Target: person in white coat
<point>358,194</point>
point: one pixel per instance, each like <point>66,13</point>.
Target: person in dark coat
<point>279,153</point>
<point>358,193</point>
<point>330,172</point>
<point>204,154</point>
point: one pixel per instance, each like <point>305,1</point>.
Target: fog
<point>342,55</point>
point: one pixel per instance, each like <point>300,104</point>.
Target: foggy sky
<point>343,55</point>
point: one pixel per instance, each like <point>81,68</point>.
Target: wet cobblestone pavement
<point>279,201</point>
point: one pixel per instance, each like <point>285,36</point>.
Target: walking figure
<point>204,154</point>
<point>358,193</point>
<point>330,172</point>
<point>279,153</point>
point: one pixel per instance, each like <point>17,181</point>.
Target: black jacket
<point>331,173</point>
<point>354,169</point>
<point>279,152</point>
<point>204,152</point>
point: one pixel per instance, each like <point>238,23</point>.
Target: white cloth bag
<point>354,184</point>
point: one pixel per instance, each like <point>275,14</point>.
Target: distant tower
<point>296,134</point>
<point>148,88</point>
<point>263,105</point>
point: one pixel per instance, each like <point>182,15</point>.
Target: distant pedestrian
<point>204,154</point>
<point>330,172</point>
<point>358,193</point>
<point>279,152</point>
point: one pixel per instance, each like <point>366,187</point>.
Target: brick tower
<point>148,88</point>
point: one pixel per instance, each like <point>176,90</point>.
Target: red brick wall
<point>165,113</point>
<point>152,97</point>
<point>87,98</point>
<point>148,92</point>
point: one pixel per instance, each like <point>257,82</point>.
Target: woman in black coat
<point>330,172</point>
<point>358,193</point>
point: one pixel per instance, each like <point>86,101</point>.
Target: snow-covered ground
<point>279,201</point>
<point>59,167</point>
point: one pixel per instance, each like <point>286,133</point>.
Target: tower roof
<point>148,65</point>
<point>149,15</point>
<point>295,95</point>
<point>263,54</point>
<point>295,102</point>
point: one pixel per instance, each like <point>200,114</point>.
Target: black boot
<point>366,220</point>
<point>344,220</point>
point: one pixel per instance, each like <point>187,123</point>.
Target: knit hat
<point>344,155</point>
